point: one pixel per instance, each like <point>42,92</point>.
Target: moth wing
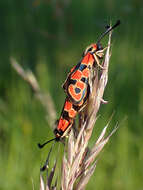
<point>76,86</point>
<point>66,83</point>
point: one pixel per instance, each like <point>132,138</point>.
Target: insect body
<point>78,86</point>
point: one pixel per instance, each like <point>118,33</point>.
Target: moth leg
<point>99,54</point>
<point>97,61</point>
<point>82,107</point>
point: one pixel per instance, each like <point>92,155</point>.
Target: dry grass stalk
<point>79,162</point>
<point>44,98</point>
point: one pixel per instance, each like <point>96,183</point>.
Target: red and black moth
<point>78,86</point>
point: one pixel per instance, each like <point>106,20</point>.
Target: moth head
<point>93,48</point>
<point>97,47</point>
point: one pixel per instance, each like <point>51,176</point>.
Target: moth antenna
<point>42,145</point>
<point>108,30</point>
<point>46,165</point>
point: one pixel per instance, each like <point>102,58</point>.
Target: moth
<point>78,86</point>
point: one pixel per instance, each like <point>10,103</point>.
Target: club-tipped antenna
<point>108,30</point>
<point>42,145</point>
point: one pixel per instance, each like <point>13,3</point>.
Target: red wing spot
<point>85,59</point>
<point>68,105</point>
<point>60,124</point>
<point>77,75</point>
<point>81,85</point>
<point>63,124</point>
<point>88,58</point>
<point>72,113</point>
<point>85,73</point>
<point>91,59</point>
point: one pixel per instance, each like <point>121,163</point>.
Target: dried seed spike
<point>91,121</point>
<point>105,128</point>
<point>64,180</point>
<point>85,178</point>
<point>42,187</point>
<point>113,131</point>
<point>101,135</point>
<point>79,137</point>
<point>94,154</point>
<point>98,147</point>
<point>107,54</point>
<point>76,164</point>
<point>116,127</point>
<point>71,148</point>
<point>47,188</point>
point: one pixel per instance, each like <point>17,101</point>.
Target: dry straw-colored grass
<point>79,161</point>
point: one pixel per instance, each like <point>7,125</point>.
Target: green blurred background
<point>48,37</point>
